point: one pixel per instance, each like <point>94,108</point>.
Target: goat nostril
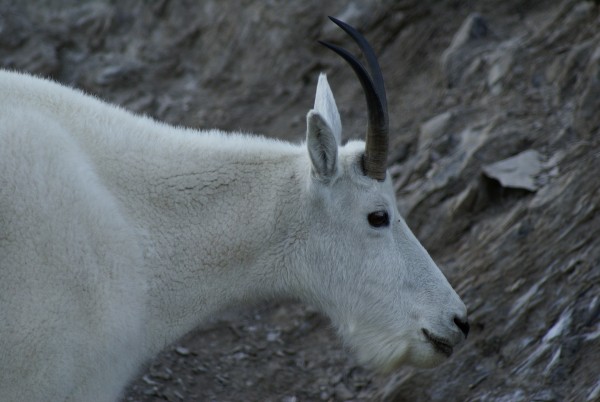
<point>463,325</point>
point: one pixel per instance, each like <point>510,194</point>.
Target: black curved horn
<point>376,149</point>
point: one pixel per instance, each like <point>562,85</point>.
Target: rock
<point>146,379</point>
<point>594,392</point>
<point>354,13</point>
<point>470,140</point>
<point>501,62</point>
<point>519,171</point>
<point>467,201</point>
<point>443,174</point>
<point>93,20</point>
<point>342,393</point>
<point>433,129</point>
<point>464,49</point>
<point>586,119</point>
<point>473,28</point>
<point>181,351</point>
<point>13,27</point>
<point>161,372</point>
<point>579,13</point>
<point>124,73</point>
<point>567,71</point>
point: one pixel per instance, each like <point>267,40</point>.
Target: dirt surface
<point>470,83</point>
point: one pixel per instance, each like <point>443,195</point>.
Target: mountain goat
<point>119,234</point>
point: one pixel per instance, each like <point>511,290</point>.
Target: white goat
<point>119,234</point>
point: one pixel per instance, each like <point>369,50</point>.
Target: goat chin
<point>385,353</point>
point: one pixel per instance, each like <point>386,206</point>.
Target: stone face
<point>434,129</point>
<point>519,171</point>
<point>502,61</point>
<point>473,28</point>
<point>586,120</point>
<point>466,46</point>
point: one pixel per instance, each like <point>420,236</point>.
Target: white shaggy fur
<point>119,234</point>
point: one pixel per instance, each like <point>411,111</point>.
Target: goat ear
<point>326,107</point>
<point>322,146</point>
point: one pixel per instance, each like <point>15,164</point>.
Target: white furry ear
<point>322,146</point>
<point>326,107</point>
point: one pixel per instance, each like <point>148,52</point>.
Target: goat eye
<point>379,219</point>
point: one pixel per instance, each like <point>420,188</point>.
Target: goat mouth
<point>441,345</point>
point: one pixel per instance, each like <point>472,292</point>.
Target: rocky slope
<point>496,157</point>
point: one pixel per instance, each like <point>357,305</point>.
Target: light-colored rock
<point>501,63</point>
<point>519,171</point>
<point>473,28</point>
<point>464,48</point>
<point>342,392</point>
<point>433,129</point>
<point>586,120</point>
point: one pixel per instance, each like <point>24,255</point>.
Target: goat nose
<point>463,325</point>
